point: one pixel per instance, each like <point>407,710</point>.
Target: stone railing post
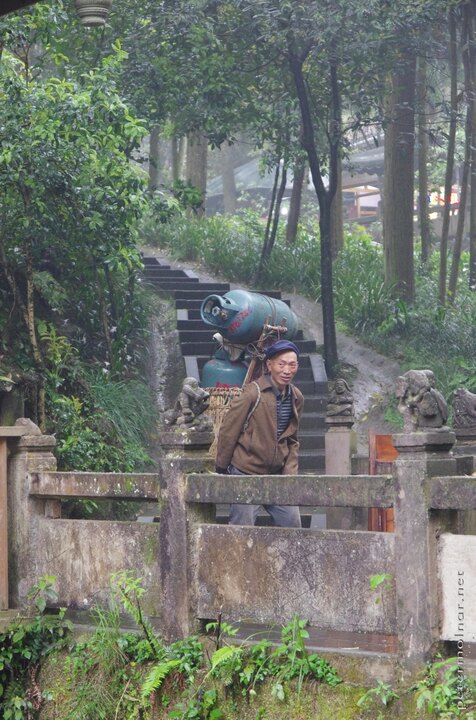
<point>30,453</point>
<point>340,446</point>
<point>185,451</point>
<point>421,454</point>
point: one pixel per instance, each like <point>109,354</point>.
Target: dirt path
<point>372,375</point>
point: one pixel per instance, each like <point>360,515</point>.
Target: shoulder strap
<point>258,398</point>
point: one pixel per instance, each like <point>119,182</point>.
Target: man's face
<point>283,368</point>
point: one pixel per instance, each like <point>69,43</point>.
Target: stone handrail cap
<point>431,440</point>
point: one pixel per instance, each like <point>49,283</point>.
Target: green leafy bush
<point>23,646</point>
<point>87,441</point>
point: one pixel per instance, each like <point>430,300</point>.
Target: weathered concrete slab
<point>457,574</point>
<point>83,554</point>
<point>138,486</point>
<point>310,490</point>
<point>451,493</point>
<point>267,575</point>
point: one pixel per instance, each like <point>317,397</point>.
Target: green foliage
<point>188,196</point>
<point>221,630</point>
<point>216,240</point>
<point>114,671</point>
<point>97,671</point>
<point>362,301</point>
<point>292,660</point>
<point>382,692</point>
<point>128,590</point>
<point>202,707</point>
<point>23,646</point>
<point>247,666</point>
<point>189,654</point>
<point>155,678</point>
<point>71,199</point>
<point>380,582</point>
<point>446,691</point>
<point>87,441</point>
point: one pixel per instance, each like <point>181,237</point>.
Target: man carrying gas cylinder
<point>259,434</point>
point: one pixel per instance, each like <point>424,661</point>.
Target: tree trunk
<point>182,154</point>
<point>27,310</point>
<point>324,198</point>
<point>178,146</point>
<point>154,160</point>
<point>30,323</point>
<point>197,153</point>
<point>468,15</point>
<point>423,162</point>
<point>230,196</point>
<point>175,159</point>
<point>277,212</point>
<point>398,181</point>
<point>295,202</point>
<point>337,215</point>
<point>449,159</point>
<point>272,221</point>
<point>453,282</point>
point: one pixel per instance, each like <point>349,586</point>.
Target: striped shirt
<point>284,409</point>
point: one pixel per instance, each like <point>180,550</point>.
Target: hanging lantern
<point>93,13</point>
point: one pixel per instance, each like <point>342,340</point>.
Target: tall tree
<point>469,20</point>
<point>299,176</point>
<point>399,179</point>
<point>450,154</point>
<point>423,144</point>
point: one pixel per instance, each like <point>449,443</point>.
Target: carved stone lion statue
<point>464,409</point>
<point>190,406</point>
<point>420,403</point>
<point>341,401</point>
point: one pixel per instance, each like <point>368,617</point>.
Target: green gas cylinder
<point>240,315</point>
<point>221,372</point>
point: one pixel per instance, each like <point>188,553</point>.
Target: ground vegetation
<point>47,672</point>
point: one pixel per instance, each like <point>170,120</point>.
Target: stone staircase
<point>197,346</point>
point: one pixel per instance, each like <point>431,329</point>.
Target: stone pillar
<point>420,454</point>
<point>185,451</point>
<point>31,453</point>
<point>340,445</point>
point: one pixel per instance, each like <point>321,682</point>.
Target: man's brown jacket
<point>256,450</point>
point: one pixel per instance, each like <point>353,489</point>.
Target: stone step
<point>169,285</point>
<point>312,461</point>
<point>167,274</point>
<point>309,440</point>
<point>152,261</point>
<point>312,421</point>
<point>313,403</point>
<point>186,288</point>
